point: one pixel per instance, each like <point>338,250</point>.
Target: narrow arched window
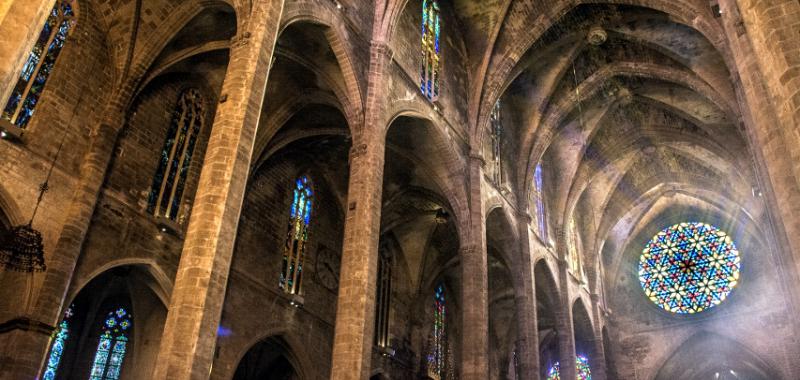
<point>26,93</point>
<point>497,138</point>
<point>60,336</point>
<point>439,358</point>
<point>538,198</point>
<point>169,182</point>
<point>112,346</point>
<point>430,69</point>
<point>383,298</point>
<point>297,235</point>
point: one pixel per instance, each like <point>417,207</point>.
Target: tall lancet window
<point>299,222</point>
<point>383,301</point>
<point>439,365</point>
<point>112,346</point>
<point>169,182</point>
<point>497,138</point>
<point>26,93</point>
<point>430,68</point>
<point>538,198</point>
<point>60,336</point>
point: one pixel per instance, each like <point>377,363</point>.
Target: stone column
<point>475,283</point>
<point>527,323</point>
<point>21,21</point>
<point>190,332</point>
<point>764,48</point>
<point>355,307</point>
<point>566,330</point>
<point>597,361</point>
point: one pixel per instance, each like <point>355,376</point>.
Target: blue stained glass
<point>299,222</point>
<point>582,370</point>
<point>437,358</point>
<point>430,63</point>
<point>539,198</point>
<point>37,68</point>
<point>57,349</point>
<point>689,267</point>
<point>112,346</point>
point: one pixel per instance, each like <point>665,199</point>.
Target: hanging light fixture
<point>22,249</point>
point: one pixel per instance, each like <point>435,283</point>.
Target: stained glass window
<point>440,366</point>
<point>60,336</point>
<point>538,195</point>
<point>169,182</point>
<point>26,93</point>
<point>112,346</point>
<point>689,267</point>
<point>497,138</point>
<point>430,69</point>
<point>582,370</point>
<point>297,235</point>
<point>383,301</point>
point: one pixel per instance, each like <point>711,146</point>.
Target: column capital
<point>381,47</point>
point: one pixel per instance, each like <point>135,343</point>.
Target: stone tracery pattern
<point>430,69</point>
<point>57,348</point>
<point>112,347</point>
<point>169,182</point>
<point>37,69</point>
<point>297,235</point>
<point>689,267</point>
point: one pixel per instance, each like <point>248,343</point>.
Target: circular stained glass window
<point>689,267</point>
<point>581,369</point>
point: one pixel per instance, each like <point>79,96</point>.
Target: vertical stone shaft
<point>597,361</point>
<point>355,308</point>
<point>475,284</point>
<point>528,344</point>
<point>190,333</point>
<point>566,330</point>
<point>21,21</point>
<point>773,131</point>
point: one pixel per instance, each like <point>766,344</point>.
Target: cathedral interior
<point>400,189</point>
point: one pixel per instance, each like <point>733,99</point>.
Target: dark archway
<point>546,305</point>
<point>269,359</point>
<point>122,294</point>
<point>582,325</point>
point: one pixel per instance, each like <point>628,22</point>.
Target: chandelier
<point>21,249</point>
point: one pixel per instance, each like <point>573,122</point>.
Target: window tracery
<point>497,138</point>
<point>39,65</point>
<point>297,235</point>
<point>430,68</point>
<point>689,267</point>
<point>169,182</point>
<point>538,195</point>
<point>112,347</point>
<point>60,336</point>
<point>383,298</point>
